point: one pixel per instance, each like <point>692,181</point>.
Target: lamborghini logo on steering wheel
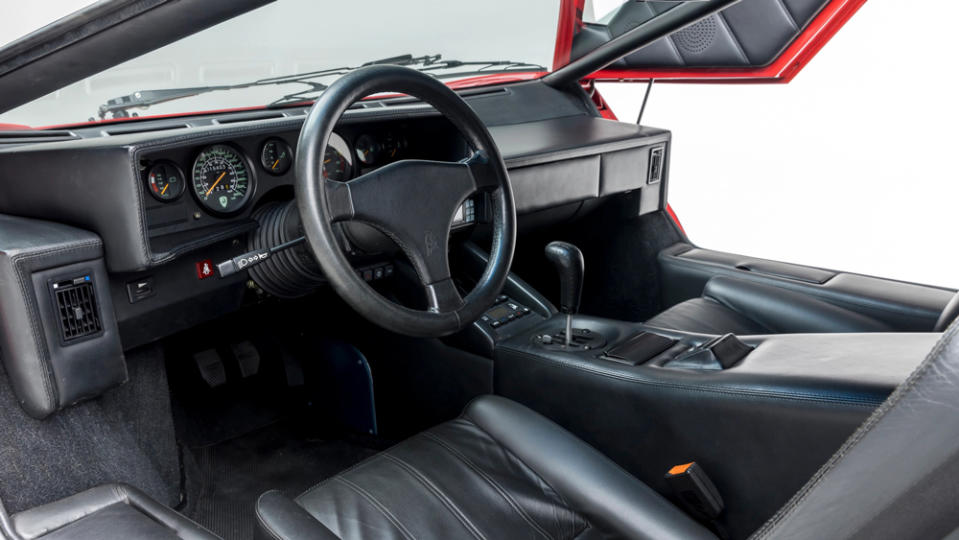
<point>429,242</point>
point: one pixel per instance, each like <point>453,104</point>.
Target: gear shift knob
<point>568,260</point>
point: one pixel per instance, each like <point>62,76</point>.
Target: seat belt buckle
<point>695,490</point>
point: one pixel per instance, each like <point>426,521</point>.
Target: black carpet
<point>236,472</point>
<point>124,436</point>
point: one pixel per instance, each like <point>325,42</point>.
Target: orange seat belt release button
<point>694,490</point>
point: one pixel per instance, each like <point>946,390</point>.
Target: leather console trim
<point>44,374</point>
<point>905,307</point>
<point>718,389</point>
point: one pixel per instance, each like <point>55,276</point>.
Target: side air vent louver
<point>76,308</point>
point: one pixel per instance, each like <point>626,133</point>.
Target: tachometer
<point>222,181</point>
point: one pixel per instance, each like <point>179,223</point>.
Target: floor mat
<point>236,472</point>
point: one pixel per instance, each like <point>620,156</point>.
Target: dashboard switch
<point>204,269</point>
<point>140,289</point>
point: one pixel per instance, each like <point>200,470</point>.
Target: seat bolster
<point>786,311</point>
<point>603,492</point>
<point>42,520</point>
<point>279,518</point>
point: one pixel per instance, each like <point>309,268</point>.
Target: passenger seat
<point>107,512</point>
<point>737,306</point>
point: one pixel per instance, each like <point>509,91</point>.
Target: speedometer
<point>222,181</point>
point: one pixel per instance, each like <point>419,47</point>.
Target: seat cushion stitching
<point>466,419</point>
<point>435,490</point>
<point>492,482</point>
<point>378,505</point>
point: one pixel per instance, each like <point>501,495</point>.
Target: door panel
<point>906,307</point>
<point>752,41</point>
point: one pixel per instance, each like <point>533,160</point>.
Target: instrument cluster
<point>223,178</point>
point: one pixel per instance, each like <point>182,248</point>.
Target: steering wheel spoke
<point>339,200</point>
<point>443,296</point>
<point>482,171</point>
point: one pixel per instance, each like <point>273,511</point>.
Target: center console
<point>760,413</point>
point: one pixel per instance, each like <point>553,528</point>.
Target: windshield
<point>243,57</point>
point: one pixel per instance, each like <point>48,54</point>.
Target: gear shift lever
<point>568,260</point>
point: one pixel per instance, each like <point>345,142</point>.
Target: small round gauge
<point>276,157</point>
<point>222,181</point>
<point>368,149</point>
<point>165,181</point>
<point>335,165</point>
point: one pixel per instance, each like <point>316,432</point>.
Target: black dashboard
<point>228,180</point>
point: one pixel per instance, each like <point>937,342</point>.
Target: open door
<point>749,41</point>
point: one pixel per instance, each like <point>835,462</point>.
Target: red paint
<point>781,70</point>
<point>672,216</point>
<point>570,21</point>
<point>13,127</point>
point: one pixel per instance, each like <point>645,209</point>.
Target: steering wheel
<point>411,201</point>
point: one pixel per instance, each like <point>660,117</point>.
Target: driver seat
<point>500,470</point>
<point>503,471</point>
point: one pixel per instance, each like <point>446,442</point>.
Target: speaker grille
<point>695,39</point>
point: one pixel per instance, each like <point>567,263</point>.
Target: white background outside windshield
<point>297,36</point>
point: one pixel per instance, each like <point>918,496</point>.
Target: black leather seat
<point>107,512</point>
<point>503,471</point>
<point>498,471</point>
<point>742,307</point>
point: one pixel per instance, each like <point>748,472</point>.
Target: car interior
<point>442,313</point>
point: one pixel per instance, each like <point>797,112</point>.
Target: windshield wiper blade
<point>119,107</point>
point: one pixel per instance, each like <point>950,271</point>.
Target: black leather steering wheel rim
<point>424,235</point>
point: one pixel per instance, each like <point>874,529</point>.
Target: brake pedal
<point>247,357</point>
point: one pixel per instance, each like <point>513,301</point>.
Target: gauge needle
<point>214,184</point>
<point>274,164</point>
<point>164,189</point>
<point>327,161</point>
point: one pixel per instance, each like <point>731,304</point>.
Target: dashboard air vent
<point>143,129</point>
<point>76,308</point>
<point>21,136</point>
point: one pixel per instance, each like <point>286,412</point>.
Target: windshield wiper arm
<point>119,107</point>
